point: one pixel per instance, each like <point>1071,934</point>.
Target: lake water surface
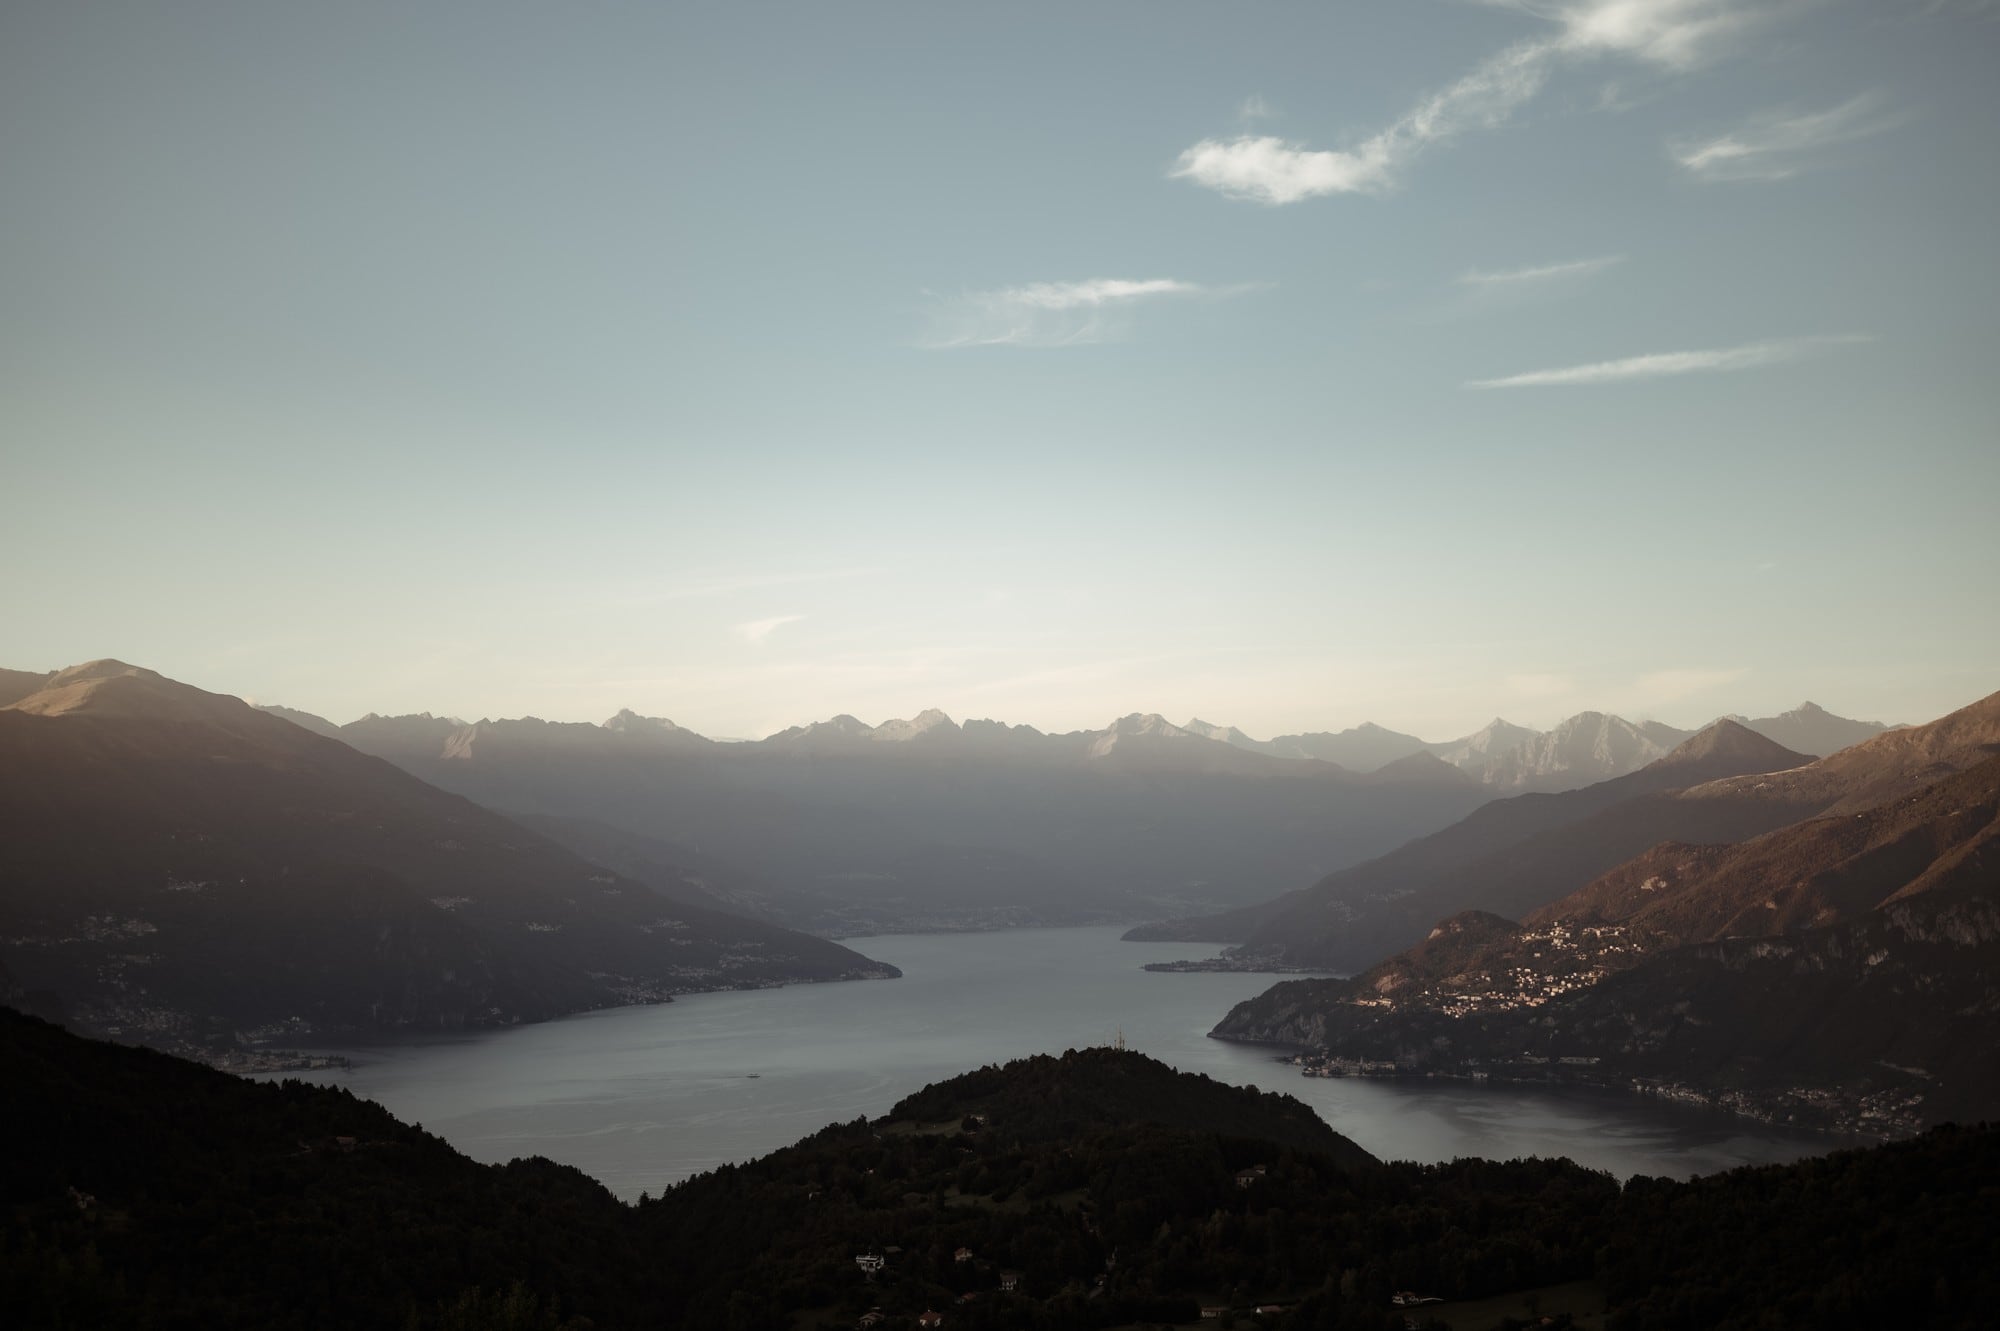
<point>642,1097</point>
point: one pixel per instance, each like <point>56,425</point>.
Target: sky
<point>1287,365</point>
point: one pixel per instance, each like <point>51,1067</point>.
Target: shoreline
<point>1855,1127</point>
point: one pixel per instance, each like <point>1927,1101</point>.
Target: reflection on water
<point>643,1097</point>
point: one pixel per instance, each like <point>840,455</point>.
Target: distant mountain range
<point>1838,970</point>
<point>837,828</point>
<point>844,828</point>
<point>179,867</point>
<point>1725,785</point>
<point>1508,856</point>
<point>1587,748</point>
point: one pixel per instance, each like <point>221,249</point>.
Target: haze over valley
<point>893,666</point>
<point>843,828</point>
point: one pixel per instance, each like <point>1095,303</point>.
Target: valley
<point>622,1002</point>
<point>642,1097</point>
<point>1048,667</point>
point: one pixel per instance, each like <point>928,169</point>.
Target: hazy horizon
<point>1528,719</point>
<point>1287,367</point>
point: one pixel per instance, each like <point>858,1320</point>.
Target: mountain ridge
<point>1832,970</point>
<point>1542,847</point>
<point>183,868</point>
<point>1360,748</point>
<point>1505,856</point>
<point>932,824</point>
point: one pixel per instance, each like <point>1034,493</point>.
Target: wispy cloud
<point>1267,169</point>
<point>1754,355</point>
<point>1056,314</point>
<point>1094,294</point>
<point>1548,272</point>
<point>1276,171</point>
<point>1776,145</point>
<point>1675,34</point>
<point>759,629</point>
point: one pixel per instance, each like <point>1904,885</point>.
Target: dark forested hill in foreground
<point>1099,1189</point>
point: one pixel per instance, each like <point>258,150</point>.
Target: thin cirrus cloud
<point>1270,170</point>
<point>1661,365</point>
<point>1777,145</point>
<point>1058,314</point>
<point>1674,34</point>
<point>1516,278</point>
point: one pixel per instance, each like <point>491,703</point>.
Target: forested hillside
<point>1099,1189</point>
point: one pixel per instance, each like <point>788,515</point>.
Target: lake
<point>642,1097</point>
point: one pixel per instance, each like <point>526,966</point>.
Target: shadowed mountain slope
<point>1893,763</point>
<point>847,828</point>
<point>1507,857</point>
<point>677,872</point>
<point>1812,873</point>
<point>1841,970</point>
<point>1810,728</point>
<point>1883,1023</point>
<point>319,725</point>
<point>1820,872</point>
<point>182,868</point>
<point>18,684</point>
<point>1585,748</point>
<point>1535,853</point>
